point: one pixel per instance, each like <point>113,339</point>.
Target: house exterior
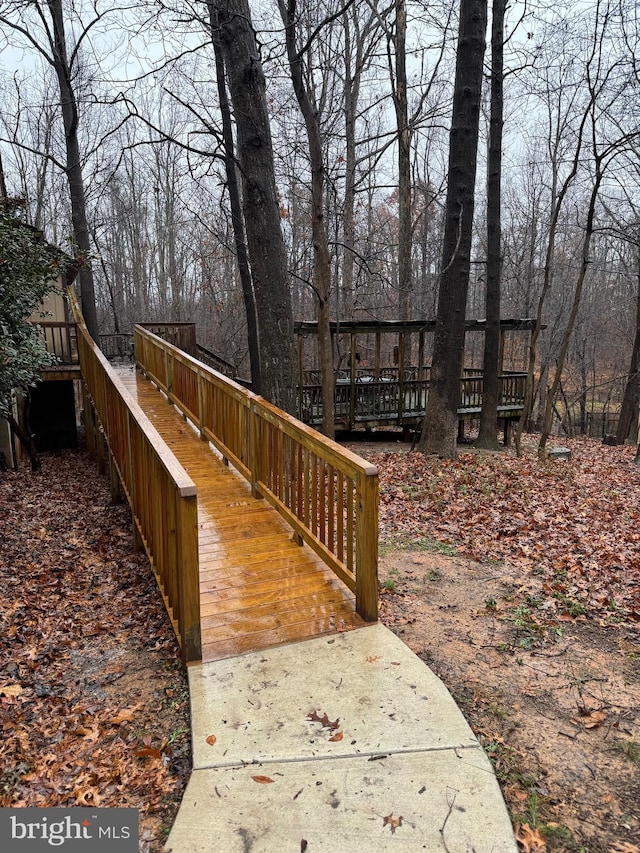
<point>52,413</point>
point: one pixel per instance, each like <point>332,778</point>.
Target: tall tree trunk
<point>236,207</point>
<point>440,421</point>
<point>629,408</point>
<point>74,168</point>
<point>265,244</point>
<point>400,104</point>
<point>487,437</point>
<point>577,294</point>
<point>321,256</point>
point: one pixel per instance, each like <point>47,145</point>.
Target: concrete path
<point>339,744</point>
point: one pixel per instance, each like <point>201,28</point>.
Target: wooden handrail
<point>161,494</point>
<point>328,495</point>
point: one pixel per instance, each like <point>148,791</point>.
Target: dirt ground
<point>553,698</point>
<point>558,713</point>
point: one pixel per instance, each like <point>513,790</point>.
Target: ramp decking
<point>258,588</point>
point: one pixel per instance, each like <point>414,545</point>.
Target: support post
<point>352,383</point>
<point>188,578</point>
<point>114,481</point>
<point>100,450</point>
<point>367,547</point>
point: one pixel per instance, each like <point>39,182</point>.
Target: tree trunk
<point>321,256</point>
<point>566,337</point>
<point>266,248</point>
<point>487,437</point>
<point>441,418</point>
<point>404,163</point>
<point>74,169</point>
<point>629,408</point>
<point>26,437</point>
<point>236,208</point>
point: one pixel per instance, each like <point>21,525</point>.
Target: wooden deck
<point>258,588</point>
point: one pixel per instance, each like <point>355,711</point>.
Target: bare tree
<point>440,421</point>
<point>487,437</point>
<point>321,254</point>
<point>261,210</point>
<point>51,42</point>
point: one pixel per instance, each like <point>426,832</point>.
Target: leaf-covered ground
<point>518,583</point>
<point>576,523</point>
<point>93,697</point>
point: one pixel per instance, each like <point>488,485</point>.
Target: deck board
<point>258,588</point>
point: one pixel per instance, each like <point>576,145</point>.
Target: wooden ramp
<point>258,588</point>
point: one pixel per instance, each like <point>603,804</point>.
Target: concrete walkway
<point>338,744</point>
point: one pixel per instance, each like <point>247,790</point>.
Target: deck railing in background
<point>328,495</point>
<point>388,400</point>
<point>161,494</point>
<point>60,339</point>
<point>117,346</point>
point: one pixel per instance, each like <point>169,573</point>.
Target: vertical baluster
<point>350,531</point>
<point>340,515</point>
<point>323,502</point>
<point>331,492</point>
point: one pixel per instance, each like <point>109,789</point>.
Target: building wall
<point>53,307</point>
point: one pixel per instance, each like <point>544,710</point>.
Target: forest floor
<point>94,702</point>
<point>517,582</point>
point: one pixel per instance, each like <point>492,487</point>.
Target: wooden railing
<point>161,494</point>
<point>206,356</point>
<point>118,345</point>
<point>328,495</point>
<point>60,339</point>
<point>182,335</point>
<point>389,400</point>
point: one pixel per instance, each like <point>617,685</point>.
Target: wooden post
<point>201,405</point>
<point>352,383</point>
<point>168,370</point>
<point>138,544</point>
<point>114,481</point>
<point>253,449</point>
<point>100,450</point>
<point>401,346</point>
<point>300,378</point>
<point>90,425</point>
<point>376,369</point>
<point>421,370</point>
<point>188,578</point>
<point>367,547</point>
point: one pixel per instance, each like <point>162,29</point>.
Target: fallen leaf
<point>392,822</point>
<point>337,736</point>
<point>530,839</point>
<point>373,658</point>
<point>148,752</point>
<point>125,715</point>
<point>624,847</point>
<point>593,720</point>
<point>263,780</point>
<point>211,740</point>
<point>11,690</point>
<point>324,721</point>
